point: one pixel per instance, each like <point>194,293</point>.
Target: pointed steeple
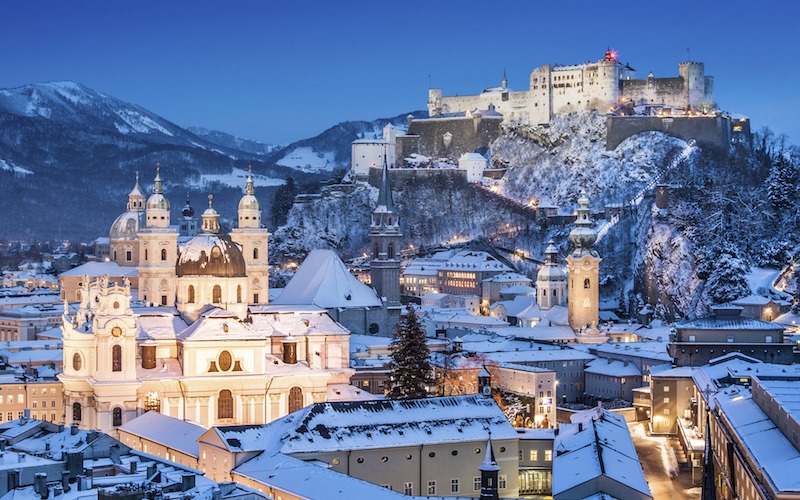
<point>583,236</point>
<point>505,80</point>
<point>385,195</point>
<point>489,473</point>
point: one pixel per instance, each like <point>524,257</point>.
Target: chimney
<point>47,447</point>
<point>40,484</point>
<point>580,426</point>
<point>149,354</point>
<point>20,457</point>
<point>216,494</point>
<point>2,444</point>
<point>114,454</point>
<point>61,427</point>
<point>73,428</point>
<point>151,470</point>
<point>13,479</point>
<point>26,415</point>
<point>187,481</point>
<point>133,466</point>
<point>80,482</point>
<point>65,480</point>
<point>289,350</point>
<point>58,490</point>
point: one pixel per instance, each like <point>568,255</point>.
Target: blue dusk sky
<point>281,71</point>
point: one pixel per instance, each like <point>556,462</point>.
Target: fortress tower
<point>583,270</point>
<point>385,240</point>
<point>158,249</point>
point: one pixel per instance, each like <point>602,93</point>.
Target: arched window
<point>239,294</point>
<point>152,402</point>
<point>390,251</point>
<point>544,292</point>
<point>163,254</point>
<point>116,358</point>
<point>76,412</point>
<point>255,253</point>
<point>217,294</point>
<point>587,284</point>
<point>375,251</point>
<point>77,362</point>
<point>295,399</point>
<point>116,417</point>
<point>191,294</point>
<point>225,404</point>
<point>78,294</point>
<point>145,254</point>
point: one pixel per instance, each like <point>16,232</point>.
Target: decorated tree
<point>410,366</point>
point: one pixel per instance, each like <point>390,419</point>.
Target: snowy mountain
<point>231,141</point>
<point>65,147</point>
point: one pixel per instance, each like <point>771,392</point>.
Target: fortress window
<point>225,404</point>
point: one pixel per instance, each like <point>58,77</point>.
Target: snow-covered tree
<point>728,279</point>
<point>410,366</point>
<point>781,184</point>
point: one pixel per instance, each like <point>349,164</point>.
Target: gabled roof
<point>171,432</point>
<point>323,280</point>
<point>95,269</point>
<point>378,424</point>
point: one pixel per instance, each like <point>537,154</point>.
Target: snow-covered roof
<point>95,269</point>
<point>752,300</point>
<point>772,452</point>
<point>387,423</point>
<point>612,368</point>
<point>271,321</point>
<point>602,448</point>
<point>518,290</point>
<point>324,280</point>
<point>475,260</point>
<point>471,156</point>
<point>171,432</point>
<point>727,323</point>
<point>508,277</point>
<point>218,324</point>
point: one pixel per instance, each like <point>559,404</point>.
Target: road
<point>658,457</point>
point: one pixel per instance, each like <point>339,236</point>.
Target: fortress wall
<point>668,91</point>
<point>468,134</point>
<point>707,131</point>
<point>401,176</point>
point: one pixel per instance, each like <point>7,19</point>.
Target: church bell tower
<point>583,271</point>
<point>385,239</point>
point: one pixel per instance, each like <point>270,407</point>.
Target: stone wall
<point>467,134</point>
<point>707,131</point>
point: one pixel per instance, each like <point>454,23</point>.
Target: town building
<point>698,341</point>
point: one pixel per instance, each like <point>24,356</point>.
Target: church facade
<point>190,347</point>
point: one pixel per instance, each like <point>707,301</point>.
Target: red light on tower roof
<point>611,55</point>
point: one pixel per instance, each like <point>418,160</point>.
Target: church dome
<point>157,201</point>
<point>249,202</point>
<point>551,273</point>
<point>127,225</point>
<point>211,254</point>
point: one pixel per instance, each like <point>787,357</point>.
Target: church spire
<point>136,197</point>
<point>489,473</point>
<point>505,80</point>
<point>385,195</point>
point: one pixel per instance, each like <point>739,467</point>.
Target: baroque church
<point>202,343</point>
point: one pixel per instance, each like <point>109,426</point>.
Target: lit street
<point>660,465</point>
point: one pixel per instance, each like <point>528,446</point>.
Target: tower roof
<point>385,195</point>
<point>210,218</point>
<point>136,191</point>
<point>583,236</point>
<point>489,463</point>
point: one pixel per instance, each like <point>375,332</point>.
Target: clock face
<point>116,331</point>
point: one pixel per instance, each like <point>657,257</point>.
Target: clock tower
<point>583,271</point>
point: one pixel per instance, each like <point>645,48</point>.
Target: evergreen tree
<point>282,202</point>
<point>410,366</point>
<point>781,184</point>
<point>728,280</point>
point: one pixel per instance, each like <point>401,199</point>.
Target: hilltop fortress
<point>605,85</point>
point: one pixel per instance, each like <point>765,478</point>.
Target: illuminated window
<point>548,455</point>
<point>152,402</point>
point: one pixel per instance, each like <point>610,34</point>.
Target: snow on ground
<point>762,278</point>
<point>307,159</point>
<point>238,177</point>
<point>137,122</point>
<point>668,458</point>
<point>9,166</point>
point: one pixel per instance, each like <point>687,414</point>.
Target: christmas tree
<point>410,366</point>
